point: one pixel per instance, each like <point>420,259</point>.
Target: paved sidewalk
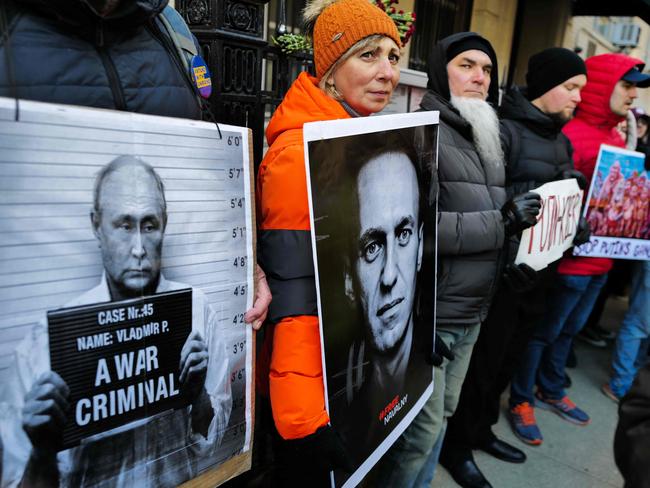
<point>571,456</point>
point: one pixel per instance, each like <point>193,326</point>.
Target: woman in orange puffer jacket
<point>356,51</point>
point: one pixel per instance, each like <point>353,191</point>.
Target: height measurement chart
<point>126,267</point>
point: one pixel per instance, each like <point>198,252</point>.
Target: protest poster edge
<point>314,131</point>
<point>576,249</point>
<point>27,111</point>
<point>30,111</point>
<point>631,242</point>
<point>241,463</point>
<point>525,237</point>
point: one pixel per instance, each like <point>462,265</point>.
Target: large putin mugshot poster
<point>125,270</point>
<point>373,210</point>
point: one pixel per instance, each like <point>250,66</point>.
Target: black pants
<point>501,343</point>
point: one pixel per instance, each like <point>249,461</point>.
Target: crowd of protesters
<point>498,324</point>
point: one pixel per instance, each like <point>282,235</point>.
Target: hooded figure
<point>62,51</point>
<point>536,152</point>
<point>438,82</point>
<point>593,125</point>
<point>474,220</point>
<point>471,195</point>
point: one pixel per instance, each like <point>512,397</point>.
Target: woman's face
<point>366,79</point>
<point>641,128</point>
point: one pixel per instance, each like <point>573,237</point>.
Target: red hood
<point>592,126</point>
<point>603,72</point>
<point>304,102</point>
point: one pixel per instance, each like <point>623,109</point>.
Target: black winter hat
<point>468,43</point>
<point>551,67</point>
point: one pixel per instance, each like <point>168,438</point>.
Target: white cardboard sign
<point>556,225</point>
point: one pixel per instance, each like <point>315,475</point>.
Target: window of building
<point>436,19</point>
<point>289,11</point>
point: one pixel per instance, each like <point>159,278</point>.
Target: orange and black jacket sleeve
<point>285,253</point>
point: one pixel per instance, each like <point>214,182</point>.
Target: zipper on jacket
<point>109,67</point>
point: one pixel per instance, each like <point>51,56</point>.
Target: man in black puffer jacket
<point>474,219</point>
<point>96,53</point>
<point>536,152</point>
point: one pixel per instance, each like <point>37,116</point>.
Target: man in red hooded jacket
<point>608,95</point>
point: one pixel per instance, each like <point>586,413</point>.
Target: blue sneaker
<point>524,425</point>
<point>565,408</point>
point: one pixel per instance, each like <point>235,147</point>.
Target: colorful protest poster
<point>126,266</point>
<point>556,225</point>
<point>371,185</point>
<point>618,207</point>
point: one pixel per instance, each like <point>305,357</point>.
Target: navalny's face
<point>389,246</point>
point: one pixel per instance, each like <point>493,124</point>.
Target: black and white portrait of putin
<point>128,219</point>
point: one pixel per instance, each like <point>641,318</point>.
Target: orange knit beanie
<point>341,24</point>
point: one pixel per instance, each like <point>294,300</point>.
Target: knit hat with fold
<point>339,24</point>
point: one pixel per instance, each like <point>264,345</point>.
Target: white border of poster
<point>316,131</point>
<point>52,153</point>
<point>598,207</point>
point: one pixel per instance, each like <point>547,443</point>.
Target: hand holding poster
<point>618,207</point>
<point>373,221</point>
<point>126,269</point>
<point>556,225</point>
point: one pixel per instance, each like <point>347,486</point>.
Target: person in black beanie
<point>536,152</point>
<point>550,68</point>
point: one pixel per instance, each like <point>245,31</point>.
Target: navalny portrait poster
<point>125,271</point>
<point>618,206</point>
<point>373,208</point>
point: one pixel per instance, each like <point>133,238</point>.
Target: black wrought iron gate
<point>249,75</point>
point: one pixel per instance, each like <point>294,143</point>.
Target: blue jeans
<point>634,330</point>
<point>543,362</point>
<point>412,460</point>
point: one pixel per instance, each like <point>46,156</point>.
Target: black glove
<point>583,234</point>
<point>520,278</point>
<point>520,212</point>
<point>573,173</point>
<point>440,351</point>
<point>322,451</point>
